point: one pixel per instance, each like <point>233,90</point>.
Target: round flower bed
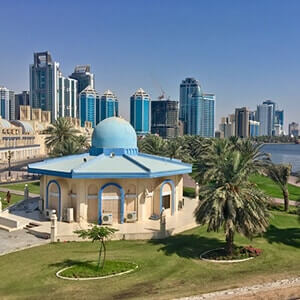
<point>239,254</point>
<point>89,270</point>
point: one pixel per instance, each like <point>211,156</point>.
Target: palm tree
<point>100,234</point>
<point>152,144</point>
<point>60,132</point>
<point>280,175</point>
<point>69,147</point>
<point>228,199</point>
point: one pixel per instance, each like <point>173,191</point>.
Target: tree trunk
<point>229,242</point>
<point>286,199</point>
<point>104,254</point>
<point>99,257</point>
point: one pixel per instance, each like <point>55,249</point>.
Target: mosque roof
<point>113,154</point>
<point>26,126</point>
<point>4,123</point>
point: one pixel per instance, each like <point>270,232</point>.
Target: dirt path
<point>286,289</point>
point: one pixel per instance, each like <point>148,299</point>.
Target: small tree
<point>98,233</point>
<point>280,175</point>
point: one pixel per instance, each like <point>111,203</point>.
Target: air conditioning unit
<point>131,216</point>
<point>68,215</point>
<point>49,213</point>
<point>107,218</point>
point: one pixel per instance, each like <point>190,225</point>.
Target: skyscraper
<point>20,99</point>
<point>89,101</point>
<point>266,117</point>
<point>50,90</point>
<point>294,129</point>
<point>140,112</point>
<point>227,126</point>
<point>7,103</point>
<point>109,106</point>
<point>197,110</point>
<point>242,122</point>
<point>4,102</point>
<point>165,118</point>
<point>84,77</point>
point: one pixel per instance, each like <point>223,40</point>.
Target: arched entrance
<point>53,197</point>
<point>167,195</point>
<point>111,200</point>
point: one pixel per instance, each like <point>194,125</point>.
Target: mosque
<point>113,183</point>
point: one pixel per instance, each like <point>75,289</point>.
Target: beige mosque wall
<point>141,195</point>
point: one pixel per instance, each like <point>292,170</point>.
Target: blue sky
<point>243,51</point>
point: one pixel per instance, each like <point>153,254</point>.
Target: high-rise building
<point>242,122</point>
<point>279,117</point>
<point>140,112</point>
<point>165,118</point>
<point>109,106</point>
<point>89,105</point>
<point>50,90</point>
<point>21,99</point>
<point>197,110</point>
<point>266,117</point>
<point>227,126</point>
<point>84,77</point>
<point>294,129</point>
<point>253,128</point>
<point>7,103</point>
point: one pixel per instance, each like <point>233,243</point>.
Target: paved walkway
<point>18,240</point>
<point>16,192</point>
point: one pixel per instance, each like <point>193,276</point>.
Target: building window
<point>166,200</point>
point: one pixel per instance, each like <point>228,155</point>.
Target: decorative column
<point>26,192</point>
<point>197,190</point>
<point>163,223</point>
<point>53,228</point>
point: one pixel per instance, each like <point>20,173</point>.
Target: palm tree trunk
<point>286,198</point>
<point>229,242</point>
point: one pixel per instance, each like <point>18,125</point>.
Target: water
<point>284,153</point>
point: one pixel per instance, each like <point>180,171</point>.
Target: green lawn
<point>14,198</point>
<point>272,190</point>
<point>167,268</point>
<point>34,187</point>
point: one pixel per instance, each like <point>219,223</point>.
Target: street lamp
<point>9,166</point>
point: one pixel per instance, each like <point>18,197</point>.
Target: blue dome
<point>114,133</point>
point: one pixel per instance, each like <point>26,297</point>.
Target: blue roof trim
<point>49,172</point>
<point>109,175</point>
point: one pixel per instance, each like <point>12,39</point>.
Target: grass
<point>168,268</point>
<point>271,189</point>
<point>189,192</point>
<point>14,198</point>
<point>90,269</point>
<point>34,187</point>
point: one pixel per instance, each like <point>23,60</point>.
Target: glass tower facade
<point>107,107</point>
<point>140,112</point>
<point>50,90</point>
<point>164,118</point>
<point>197,110</point>
<point>5,106</point>
<point>88,102</point>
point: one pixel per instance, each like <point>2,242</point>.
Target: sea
<point>284,153</point>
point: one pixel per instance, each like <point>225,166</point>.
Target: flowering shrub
<point>251,251</point>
